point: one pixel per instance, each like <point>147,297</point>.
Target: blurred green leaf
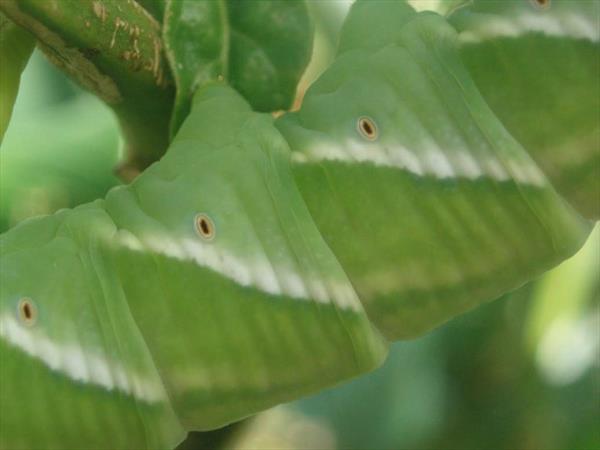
<point>260,47</point>
<point>43,85</point>
<point>563,324</point>
<point>46,165</point>
<point>216,439</point>
<point>566,291</point>
<point>401,403</point>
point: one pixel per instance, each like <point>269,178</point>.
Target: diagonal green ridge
<point>432,208</point>
<point>539,70</point>
<point>182,330</point>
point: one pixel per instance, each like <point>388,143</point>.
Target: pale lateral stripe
<point>495,169</point>
<point>434,162</point>
<point>404,158</point>
<point>265,278</point>
<point>255,273</point>
<point>438,163</point>
<point>260,274</point>
<point>469,166</point>
<point>524,172</point>
<point>571,25</point>
<point>85,367</point>
<point>294,283</point>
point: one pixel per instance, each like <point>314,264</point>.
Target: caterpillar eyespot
<point>27,311</point>
<point>367,128</point>
<point>333,227</point>
<point>541,4</point>
<point>205,227</point>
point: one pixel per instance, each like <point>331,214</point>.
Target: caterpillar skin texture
<point>197,295</point>
<point>210,288</point>
<point>536,64</point>
<point>427,201</point>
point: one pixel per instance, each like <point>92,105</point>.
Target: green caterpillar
<point>426,200</point>
<point>224,279</point>
<point>195,296</point>
<point>536,64</point>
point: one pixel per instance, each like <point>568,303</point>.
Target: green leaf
<point>196,36</point>
<point>538,69</point>
<point>271,43</point>
<point>260,47</point>
<point>428,203</point>
<point>16,45</point>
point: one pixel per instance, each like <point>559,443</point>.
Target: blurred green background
<point>522,372</point>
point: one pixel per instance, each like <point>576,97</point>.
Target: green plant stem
<point>114,49</point>
<point>16,45</point>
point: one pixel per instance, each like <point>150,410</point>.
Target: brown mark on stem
<point>70,59</point>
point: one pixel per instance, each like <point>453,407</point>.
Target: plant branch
<point>114,49</point>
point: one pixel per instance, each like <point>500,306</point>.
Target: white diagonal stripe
<point>434,162</point>
<point>87,367</point>
<point>570,25</point>
<point>251,272</point>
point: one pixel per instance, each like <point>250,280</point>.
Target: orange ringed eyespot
<point>541,4</point>
<point>204,227</point>
<point>27,311</point>
<point>367,128</point>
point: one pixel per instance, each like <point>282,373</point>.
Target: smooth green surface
<point>81,377</point>
<point>260,47</point>
<point>45,167</point>
<point>539,70</point>
<point>139,316</point>
<point>444,209</point>
<point>16,45</point>
<point>273,315</point>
